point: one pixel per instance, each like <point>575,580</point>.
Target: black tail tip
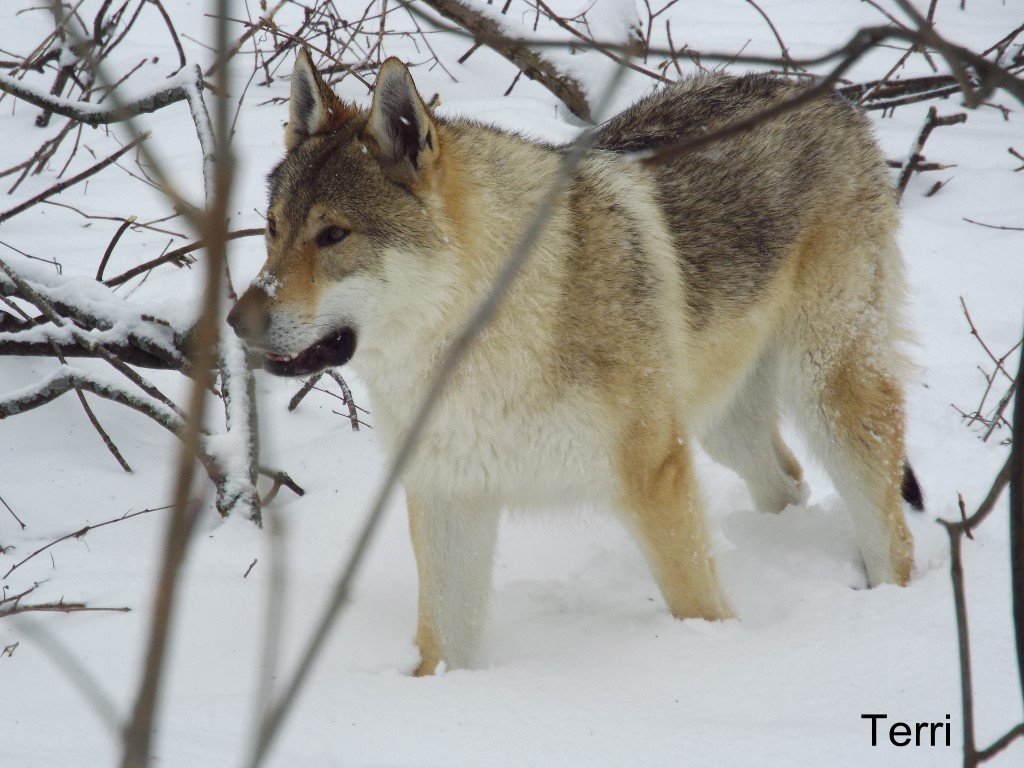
<point>912,489</point>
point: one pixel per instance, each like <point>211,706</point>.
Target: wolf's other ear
<point>400,125</point>
<point>313,107</point>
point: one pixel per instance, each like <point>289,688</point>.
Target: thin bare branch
<point>932,121</point>
<point>534,66</point>
<point>994,226</point>
<point>175,257</point>
<point>213,228</point>
<point>80,534</point>
<point>8,507</point>
<point>58,188</point>
<point>112,245</point>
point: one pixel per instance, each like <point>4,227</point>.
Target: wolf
<point>663,307</point>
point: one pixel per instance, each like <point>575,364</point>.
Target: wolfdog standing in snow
<point>661,307</point>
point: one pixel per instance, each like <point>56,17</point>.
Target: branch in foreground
<point>276,711</point>
<point>213,228</point>
<point>1017,521</point>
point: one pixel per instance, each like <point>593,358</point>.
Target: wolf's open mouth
<point>330,352</point>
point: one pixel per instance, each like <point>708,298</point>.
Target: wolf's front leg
<point>454,545</point>
<point>662,505</point>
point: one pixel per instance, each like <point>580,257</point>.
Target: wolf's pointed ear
<point>400,125</point>
<point>313,107</point>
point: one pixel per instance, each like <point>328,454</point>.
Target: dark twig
<point>306,388</point>
<point>58,188</point>
<point>346,393</point>
<point>998,418</point>
<point>14,605</point>
<point>174,33</point>
<point>175,257</point>
<point>994,226</point>
<point>535,66</point>
<point>1017,524</point>
<point>977,335</point>
<point>931,122</point>
<point>787,60</point>
<point>279,479</point>
<point>956,531</point>
<point>113,244</point>
<point>80,533</point>
<point>922,167</point>
<point>59,607</point>
<point>12,512</point>
<point>622,61</point>
<point>104,435</point>
<point>347,396</point>
<point>265,22</point>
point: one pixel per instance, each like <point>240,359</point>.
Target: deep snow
<point>581,663</point>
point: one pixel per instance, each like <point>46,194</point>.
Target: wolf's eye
<point>330,236</point>
<point>271,226</point>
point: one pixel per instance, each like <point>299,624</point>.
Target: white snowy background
<point>581,664</point>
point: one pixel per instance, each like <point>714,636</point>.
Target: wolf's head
<point>356,230</point>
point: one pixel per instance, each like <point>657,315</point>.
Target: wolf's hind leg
<point>454,546</point>
<point>661,504</point>
<point>746,439</point>
<point>852,414</point>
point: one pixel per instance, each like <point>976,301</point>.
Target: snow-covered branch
<point>67,378</point>
<point>95,114</point>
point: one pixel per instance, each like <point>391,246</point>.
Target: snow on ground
<point>581,665</point>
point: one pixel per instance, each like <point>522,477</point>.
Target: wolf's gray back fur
<point>735,208</point>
